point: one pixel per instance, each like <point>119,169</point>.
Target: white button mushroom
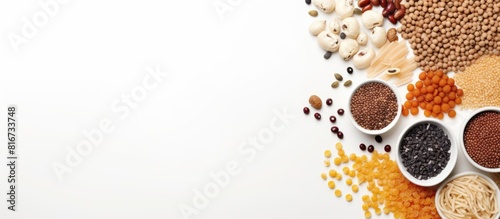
<point>348,48</point>
<point>363,58</point>
<point>334,25</point>
<point>350,27</point>
<point>362,39</point>
<point>329,41</point>
<point>317,27</point>
<point>372,19</point>
<point>326,6</point>
<point>378,36</point>
<point>344,8</point>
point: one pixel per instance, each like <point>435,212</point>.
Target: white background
<point>227,77</point>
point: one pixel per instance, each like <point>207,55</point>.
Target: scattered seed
<point>306,110</point>
<point>327,55</point>
<point>335,84</point>
<point>313,13</point>
<point>340,111</point>
<point>371,148</point>
<point>338,77</point>
<point>348,83</point>
<point>362,146</point>
<point>329,101</point>
<point>387,148</point>
<point>378,138</point>
<point>334,129</point>
<point>333,119</point>
<point>317,116</point>
<point>358,11</point>
<point>315,102</point>
<point>308,2</point>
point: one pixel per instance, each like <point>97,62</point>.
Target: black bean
<point>342,35</point>
<point>425,151</point>
<point>378,138</point>
<point>350,70</point>
<point>327,55</point>
<point>308,2</point>
<point>387,148</point>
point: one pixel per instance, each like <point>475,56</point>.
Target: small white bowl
<point>394,121</point>
<point>441,187</point>
<point>447,169</point>
<point>461,138</point>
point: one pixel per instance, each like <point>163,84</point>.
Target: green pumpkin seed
<point>335,84</point>
<point>313,13</point>
<point>338,77</point>
<point>348,83</point>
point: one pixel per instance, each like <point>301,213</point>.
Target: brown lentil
<point>467,30</point>
<point>480,83</point>
<point>482,137</point>
<point>374,106</point>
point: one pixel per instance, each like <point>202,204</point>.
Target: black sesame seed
<point>378,138</point>
<point>350,70</point>
<point>362,146</point>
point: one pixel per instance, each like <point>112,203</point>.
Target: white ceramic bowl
<point>449,166</point>
<point>461,138</point>
<point>441,187</point>
<point>394,121</point>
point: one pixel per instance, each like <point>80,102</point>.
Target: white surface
<point>226,79</point>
